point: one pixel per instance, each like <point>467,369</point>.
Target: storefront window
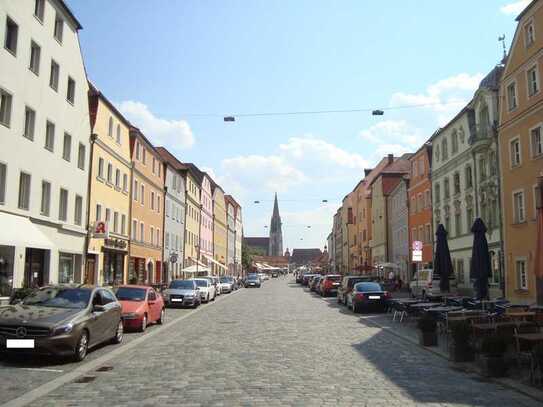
<point>6,270</point>
<point>66,268</point>
<point>113,267</point>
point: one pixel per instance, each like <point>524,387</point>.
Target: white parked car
<point>207,289</point>
<point>425,283</point>
<point>227,284</point>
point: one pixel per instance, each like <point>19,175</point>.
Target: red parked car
<point>329,285</point>
<point>141,306</point>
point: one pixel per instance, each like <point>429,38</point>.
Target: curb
<point>505,382</point>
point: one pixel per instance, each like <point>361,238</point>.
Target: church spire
<point>276,234</point>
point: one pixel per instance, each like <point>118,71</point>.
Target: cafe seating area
<point>503,339</point>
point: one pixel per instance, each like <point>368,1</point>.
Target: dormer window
<point>529,34</point>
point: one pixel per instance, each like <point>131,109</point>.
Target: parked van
<point>425,283</point>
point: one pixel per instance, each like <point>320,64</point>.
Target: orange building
<point>420,206</point>
<point>521,151</point>
<point>146,211</point>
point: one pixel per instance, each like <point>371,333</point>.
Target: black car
<point>368,296</point>
<point>253,281</point>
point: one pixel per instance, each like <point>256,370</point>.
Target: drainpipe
<point>130,231</point>
<point>500,208</point>
<point>87,237</point>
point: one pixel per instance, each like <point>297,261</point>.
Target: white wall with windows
<point>44,131</point>
<point>174,222</point>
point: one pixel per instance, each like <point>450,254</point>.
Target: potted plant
<point>492,360</point>
<point>428,331</point>
<point>460,347</point>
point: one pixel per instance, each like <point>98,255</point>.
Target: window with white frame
<point>152,200</point>
<point>455,142</point>
<point>67,147</point>
<point>63,205</point>
<point>158,203</point>
<point>514,147</point>
<point>118,138</point>
<point>35,54</point>
<point>533,83</point>
<point>50,136</point>
<point>98,212</point>
<point>78,212</point>
<point>537,199</point>
<point>5,108</point>
<point>24,191</point>
<point>30,122</point>
<point>54,75</point>
<point>137,151</point>
<point>118,178</point>
<point>81,155</point>
<point>115,222</point>
<point>109,173</point>
<point>529,34</point>
<point>536,142</point>
<point>158,237</point>
<point>59,28</point>
<point>110,127</point>
<point>519,207</point>
<point>125,182</point>
<point>522,276</point>
<point>135,191</point>
<point>437,192</point>
<point>45,206</point>
<point>3,176</point>
<point>39,9</point>
<point>70,91</point>
<point>134,229</point>
<point>512,96</point>
<point>152,235</point>
<point>445,148</point>
<point>123,224</point>
<point>142,195</point>
<point>11,34</point>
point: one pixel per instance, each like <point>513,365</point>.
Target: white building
<point>44,145</point>
<point>239,241</point>
<point>466,182</point>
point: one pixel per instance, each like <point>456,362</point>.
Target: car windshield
<point>77,298</point>
<point>252,278</point>
<point>368,287</point>
<point>226,279</point>
<point>182,285</point>
<point>130,294</point>
<point>201,283</point>
<point>333,278</point>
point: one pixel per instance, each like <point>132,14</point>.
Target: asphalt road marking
<point>40,369</point>
<point>46,388</point>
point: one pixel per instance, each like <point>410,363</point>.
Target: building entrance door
<point>90,270</point>
<point>34,267</point>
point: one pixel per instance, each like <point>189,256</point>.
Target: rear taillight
<point>430,284</point>
<point>387,294</point>
<point>360,296</point>
<point>328,284</point>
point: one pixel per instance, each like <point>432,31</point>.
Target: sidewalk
<point>407,330</point>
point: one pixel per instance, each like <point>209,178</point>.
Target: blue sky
<point>163,61</point>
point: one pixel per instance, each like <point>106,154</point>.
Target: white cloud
<point>314,149</point>
<point>174,134</point>
<point>295,224</point>
<point>515,7</point>
<point>444,97</point>
<point>393,137</point>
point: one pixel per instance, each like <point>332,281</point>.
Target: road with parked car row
<point>274,345</point>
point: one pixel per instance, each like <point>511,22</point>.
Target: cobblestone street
<point>277,345</point>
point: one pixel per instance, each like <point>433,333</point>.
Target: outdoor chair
<point>400,311</point>
<point>524,354</point>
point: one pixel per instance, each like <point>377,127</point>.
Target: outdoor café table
<point>531,337</point>
<point>520,315</point>
<point>442,309</point>
<point>422,305</point>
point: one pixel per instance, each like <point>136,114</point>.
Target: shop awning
<point>20,231</point>
<point>200,264</point>
<point>212,260</point>
<point>195,269</point>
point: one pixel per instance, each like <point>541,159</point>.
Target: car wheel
<point>162,315</point>
<point>119,333</point>
<point>82,347</point>
<point>143,326</point>
<point>207,298</point>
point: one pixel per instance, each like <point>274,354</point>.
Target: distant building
<point>258,245</point>
<point>305,257</point>
<point>276,234</point>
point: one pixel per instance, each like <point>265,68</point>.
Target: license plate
<point>177,300</point>
<point>374,297</point>
<point>20,343</point>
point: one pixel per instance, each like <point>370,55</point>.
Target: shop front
<point>7,258</point>
<point>114,253</point>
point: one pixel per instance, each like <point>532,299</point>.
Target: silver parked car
<point>182,293</point>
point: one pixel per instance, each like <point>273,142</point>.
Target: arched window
<point>118,133</point>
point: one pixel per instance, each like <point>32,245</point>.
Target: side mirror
<point>98,308</point>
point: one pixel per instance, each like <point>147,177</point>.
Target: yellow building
<point>109,199</point>
<point>219,229</point>
<point>192,218</point>
<point>521,149</point>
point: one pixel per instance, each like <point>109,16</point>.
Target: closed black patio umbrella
<point>480,260</point>
<point>442,259</point>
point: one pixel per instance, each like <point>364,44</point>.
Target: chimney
<point>390,158</point>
